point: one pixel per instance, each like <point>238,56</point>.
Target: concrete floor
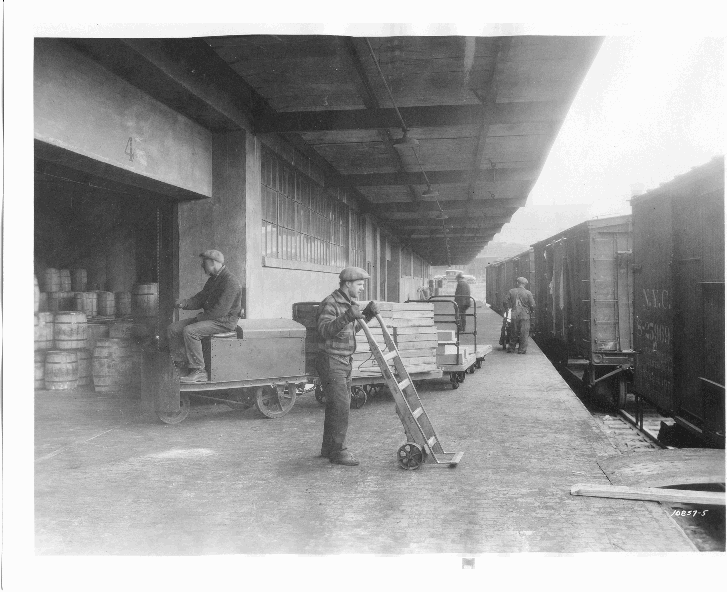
<point>110,482</point>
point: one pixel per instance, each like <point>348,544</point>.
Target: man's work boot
<point>343,457</point>
<point>195,375</point>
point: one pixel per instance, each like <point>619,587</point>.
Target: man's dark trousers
<point>520,332</point>
<point>335,375</point>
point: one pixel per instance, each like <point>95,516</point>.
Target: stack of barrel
<point>89,338</point>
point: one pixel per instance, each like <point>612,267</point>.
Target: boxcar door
<point>653,372</point>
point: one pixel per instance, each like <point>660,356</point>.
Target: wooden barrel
<point>69,329</point>
<point>43,331</point>
<point>36,294</point>
<point>111,365</point>
<point>94,332</point>
<point>51,280</point>
<point>60,370</point>
<point>83,357</point>
<point>65,278</point>
<point>58,301</point>
<point>39,358</point>
<point>43,302</point>
<point>106,306</point>
<point>123,304</point>
<point>87,302</point>
<point>79,280</point>
<point>145,300</point>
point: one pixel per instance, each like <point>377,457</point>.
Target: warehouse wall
<point>217,223</point>
<point>81,106</point>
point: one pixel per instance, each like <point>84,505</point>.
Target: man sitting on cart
<point>336,322</point>
<point>221,304</point>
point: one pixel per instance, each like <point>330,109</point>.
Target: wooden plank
<point>417,344</point>
<point>654,494</point>
<point>399,306</point>
<point>411,322</point>
<point>412,314</point>
<point>662,468</point>
<point>425,330</point>
<point>418,360</point>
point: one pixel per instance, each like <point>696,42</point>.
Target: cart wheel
<point>478,364</point>
<point>275,401</point>
<point>179,416</point>
<point>453,379</point>
<point>461,376</point>
<point>320,397</point>
<point>471,369</point>
<point>371,390</point>
<point>410,456</point>
<point>358,397</point>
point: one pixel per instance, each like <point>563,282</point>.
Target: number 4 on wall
<point>130,149</point>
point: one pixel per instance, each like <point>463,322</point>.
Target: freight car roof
<point>713,167</point>
<point>594,223</point>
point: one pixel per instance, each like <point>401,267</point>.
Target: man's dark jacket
<point>220,299</point>
<point>462,295</point>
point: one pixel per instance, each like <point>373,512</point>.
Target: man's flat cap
<point>460,274</point>
<point>351,274</point>
<point>522,280</point>
<point>214,255</point>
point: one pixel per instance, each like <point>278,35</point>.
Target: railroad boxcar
<point>679,299</point>
<point>583,294</point>
<point>492,283</point>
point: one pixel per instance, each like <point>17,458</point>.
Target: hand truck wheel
<point>410,456</point>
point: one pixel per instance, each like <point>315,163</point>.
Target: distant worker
<point>462,299</point>
<point>337,327</point>
<point>521,303</point>
<point>221,304</point>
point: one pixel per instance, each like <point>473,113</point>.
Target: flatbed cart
<point>262,364</point>
<point>422,444</point>
<point>464,362</point>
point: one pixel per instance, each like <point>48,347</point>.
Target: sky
<point>649,108</point>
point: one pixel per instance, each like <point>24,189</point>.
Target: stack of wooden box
<point>411,325</point>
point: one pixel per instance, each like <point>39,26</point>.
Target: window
<point>301,221</point>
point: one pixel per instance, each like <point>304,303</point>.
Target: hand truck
<point>422,443</point>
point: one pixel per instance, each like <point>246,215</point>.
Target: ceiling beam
<point>527,172</point>
<point>457,221</point>
<point>453,205</point>
<point>415,117</point>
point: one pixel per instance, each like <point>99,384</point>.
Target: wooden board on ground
<point>654,494</point>
<point>664,468</point>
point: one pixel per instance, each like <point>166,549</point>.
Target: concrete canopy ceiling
<point>484,110</point>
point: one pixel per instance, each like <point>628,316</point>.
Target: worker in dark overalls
<point>221,303</point>
<point>336,322</point>
<point>462,299</point>
<point>522,303</point>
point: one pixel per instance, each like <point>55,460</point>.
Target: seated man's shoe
<point>343,457</point>
<point>195,375</point>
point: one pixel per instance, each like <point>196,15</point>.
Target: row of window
<point>303,222</point>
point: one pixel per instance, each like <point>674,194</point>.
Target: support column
<point>253,224</point>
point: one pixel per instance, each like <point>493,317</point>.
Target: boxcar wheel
<point>275,401</point>
<point>179,416</point>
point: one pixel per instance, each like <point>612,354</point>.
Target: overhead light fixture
<point>429,192</point>
<point>406,142</point>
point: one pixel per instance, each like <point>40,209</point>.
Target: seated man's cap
<point>351,274</point>
<point>214,255</point>
<point>522,280</point>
